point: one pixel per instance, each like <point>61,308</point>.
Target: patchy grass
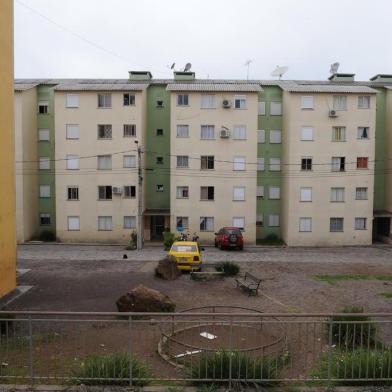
<point>387,295</point>
<point>334,279</point>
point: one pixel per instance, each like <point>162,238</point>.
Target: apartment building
<point>306,161</point>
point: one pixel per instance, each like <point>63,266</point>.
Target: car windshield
<point>184,248</point>
<point>234,231</point>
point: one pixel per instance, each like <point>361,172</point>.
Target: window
<point>159,132</point>
<point>273,220</point>
<point>72,131</point>
<point>207,162</point>
<point>259,220</point>
<point>206,223</point>
<point>207,193</point>
<point>239,222</point>
<point>336,224</point>
<point>337,195</point>
<point>159,188</point>
<point>307,102</point>
<point>305,224</point>
<point>72,100</point>
<point>182,161</point>
<point>43,135</point>
<point>207,132</point>
<point>307,133</point>
<point>261,136</point>
<point>129,222</point>
<point>276,108</point>
<point>362,162</point>
<point>130,191</point>
<point>72,193</point>
<point>182,192</point>
<point>104,131</point>
<point>104,162</point>
<point>338,134</point>
<point>159,161</point>
<point>364,102</point>
<point>182,100</point>
<point>182,223</point>
<point>129,99</point>
<point>338,164</point>
<point>340,102</point>
<point>260,191</point>
<point>275,137</point>
<point>360,223</point>
<point>105,223</point>
<point>129,161</point>
<point>43,107</point>
<point>72,162</point>
<point>363,133</point>
<point>129,130</point>
<point>44,219</point>
<point>361,193</point>
<point>239,163</point>
<point>104,192</point>
<point>104,100</point>
<point>306,163</point>
<point>239,132</point>
<point>44,191</point>
<point>274,164</point>
<point>239,193</point>
<point>260,164</point>
<point>240,102</point>
<point>208,101</point>
<point>261,108</point>
<point>305,194</point>
<point>182,130</point>
<point>274,192</point>
<point>73,223</point>
<point>160,103</point>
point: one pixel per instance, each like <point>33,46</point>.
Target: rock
<point>167,268</point>
<point>144,299</point>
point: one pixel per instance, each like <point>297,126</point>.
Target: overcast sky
<point>216,36</point>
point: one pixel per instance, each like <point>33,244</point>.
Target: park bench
<point>250,283</point>
<point>206,271</point>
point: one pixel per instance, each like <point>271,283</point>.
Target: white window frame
<point>307,134</point>
<point>239,219</point>
<point>181,189</point>
<point>72,131</point>
<point>274,164</point>
<point>209,223</point>
<point>361,102</point>
<point>337,219</point>
<point>340,103</point>
<point>260,164</point>
<point>305,225</point>
<point>307,102</point>
<point>238,193</point>
<point>184,219</point>
<point>45,215</point>
<point>260,220</point>
<point>275,136</point>
<point>104,100</point>
<point>274,192</point>
<point>239,163</point>
<point>261,136</point>
<point>43,135</point>
<point>182,131</point>
<point>360,132</point>
<point>72,162</point>
<point>72,101</point>
<point>44,163</point>
<point>339,131</point>
<point>73,223</point>
<point>337,194</point>
<point>362,226</point>
<point>128,192</point>
<point>275,108</point>
<point>362,191</point>
<point>44,191</point>
<point>106,128</point>
<point>336,163</point>
<point>182,161</point>
<point>45,104</point>
<point>129,161</point>
<point>72,187</point>
<point>207,101</point>
<point>207,130</point>
<point>306,194</point>
<point>274,220</point>
<point>260,191</point>
<point>104,162</point>
<point>261,108</point>
<point>129,130</point>
<point>241,99</point>
<point>239,132</point>
<point>105,223</point>
<point>129,222</point>
<point>181,98</point>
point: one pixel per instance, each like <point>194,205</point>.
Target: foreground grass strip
<point>333,279</point>
<point>386,295</point>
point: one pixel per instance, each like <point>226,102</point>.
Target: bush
<point>243,367</point>
<point>270,239</point>
<point>168,239</point>
<point>167,268</point>
<point>47,236</point>
<point>229,268</point>
<point>115,367</point>
<point>348,334</point>
<point>355,365</point>
<point>132,245</point>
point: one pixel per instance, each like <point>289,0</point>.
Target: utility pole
<point>140,199</point>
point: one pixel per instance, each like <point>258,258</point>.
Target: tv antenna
<point>172,66</point>
<point>247,64</point>
<point>188,67</point>
<point>334,68</point>
<point>279,71</point>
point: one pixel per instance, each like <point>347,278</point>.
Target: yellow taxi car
<point>187,254</point>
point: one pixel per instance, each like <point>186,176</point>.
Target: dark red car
<point>229,237</point>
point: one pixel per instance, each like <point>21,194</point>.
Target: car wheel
<point>215,244</point>
<point>241,247</point>
<point>220,246</point>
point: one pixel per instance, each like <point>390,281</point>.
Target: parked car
<point>187,254</point>
<point>229,237</point>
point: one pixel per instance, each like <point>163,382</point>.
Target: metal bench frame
<point>250,283</point>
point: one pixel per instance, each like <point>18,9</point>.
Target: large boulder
<point>144,299</point>
<point>167,268</point>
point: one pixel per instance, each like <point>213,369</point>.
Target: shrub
<point>167,268</point>
<point>132,245</point>
<point>217,366</point>
<point>115,367</point>
<point>345,333</point>
<point>168,239</point>
<point>47,236</point>
<point>270,239</point>
<point>229,268</point>
<point>355,365</point>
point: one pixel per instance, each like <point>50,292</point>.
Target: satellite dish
<point>173,65</point>
<point>188,66</point>
<point>334,68</point>
<point>279,71</point>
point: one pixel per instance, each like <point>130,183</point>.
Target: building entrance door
<point>157,227</point>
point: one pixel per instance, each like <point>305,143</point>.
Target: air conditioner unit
<point>332,113</point>
<point>117,190</point>
<point>226,104</point>
<point>224,133</point>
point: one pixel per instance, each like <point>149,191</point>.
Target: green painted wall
<point>157,118</point>
<point>379,178</point>
<point>266,150</point>
<point>47,149</point>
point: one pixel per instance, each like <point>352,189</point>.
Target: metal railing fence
<point>197,346</point>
